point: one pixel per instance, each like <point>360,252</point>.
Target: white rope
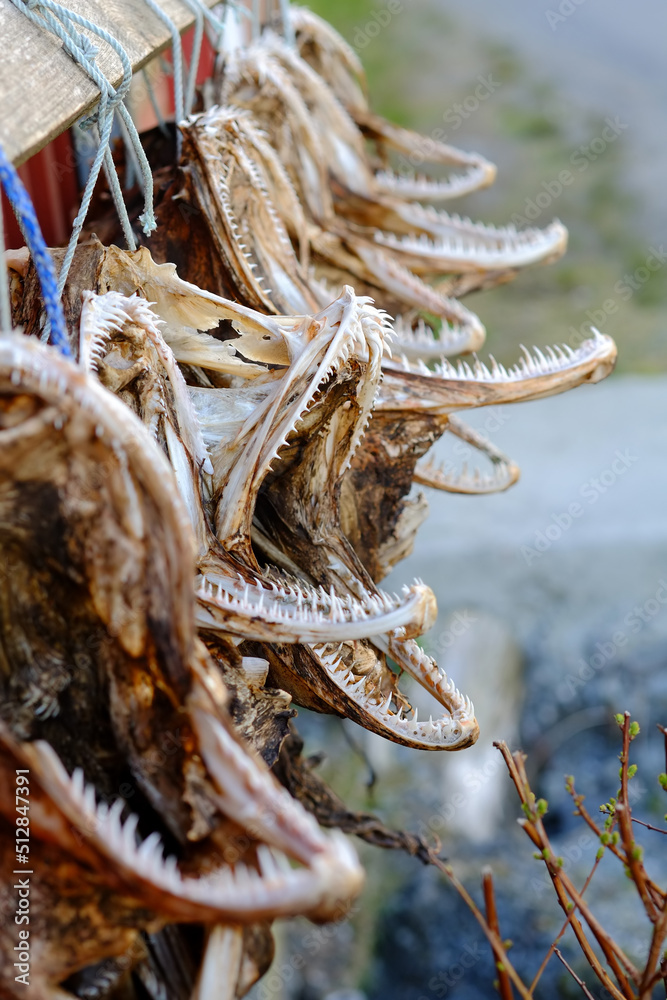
<point>177,63</point>
<point>288,27</point>
<point>195,55</point>
<point>5,303</point>
<point>63,23</point>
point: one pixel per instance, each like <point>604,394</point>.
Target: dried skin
<point>374,492</point>
<point>94,611</point>
<point>260,714</point>
<point>345,406</point>
<point>124,557</point>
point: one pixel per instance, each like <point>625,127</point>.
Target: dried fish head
<point>333,59</point>
<point>270,75</point>
<point>98,629</point>
<point>254,80</point>
<point>343,253</point>
<point>232,170</point>
<point>95,883</point>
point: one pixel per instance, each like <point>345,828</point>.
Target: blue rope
<point>23,209</point>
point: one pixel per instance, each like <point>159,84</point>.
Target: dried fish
<point>196,515</point>
<point>98,636</point>
<point>336,62</point>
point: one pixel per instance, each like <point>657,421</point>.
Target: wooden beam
<point>42,90</point>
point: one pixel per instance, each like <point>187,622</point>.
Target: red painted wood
<point>50,179</point>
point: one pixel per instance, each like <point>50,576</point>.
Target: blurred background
<point>550,624</point>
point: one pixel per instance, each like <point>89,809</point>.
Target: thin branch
<point>563,885</point>
<point>655,890</point>
<point>650,976</point>
<point>504,983</point>
<point>607,944</point>
<point>612,952</point>
<point>492,937</point>
<point>624,813</point>
<point>578,981</point>
<point>649,826</point>
<point>552,949</point>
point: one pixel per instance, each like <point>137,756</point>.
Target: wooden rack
<point>42,90</point>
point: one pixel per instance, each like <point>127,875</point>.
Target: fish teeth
<point>541,361</point>
<point>128,832</point>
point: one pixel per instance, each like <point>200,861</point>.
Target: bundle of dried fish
<point>97,626</point>
<point>323,48</point>
<point>230,166</point>
<point>274,466</point>
<point>196,516</point>
<point>260,442</point>
<point>307,380</point>
<point>325,155</point>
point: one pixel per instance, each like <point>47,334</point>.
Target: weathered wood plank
<point>42,91</point>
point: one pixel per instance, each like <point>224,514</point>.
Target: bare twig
<point>651,976</point>
<point>631,984</point>
<point>612,952</point>
<point>655,890</point>
<point>649,826</point>
<point>492,936</point>
<point>534,827</point>
<point>504,983</point>
<point>553,949</point>
<point>574,975</point>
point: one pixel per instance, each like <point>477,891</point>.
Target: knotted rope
<point>63,23</point>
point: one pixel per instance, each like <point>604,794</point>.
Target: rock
<point>430,946</point>
<point>346,995</point>
<point>479,650</point>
